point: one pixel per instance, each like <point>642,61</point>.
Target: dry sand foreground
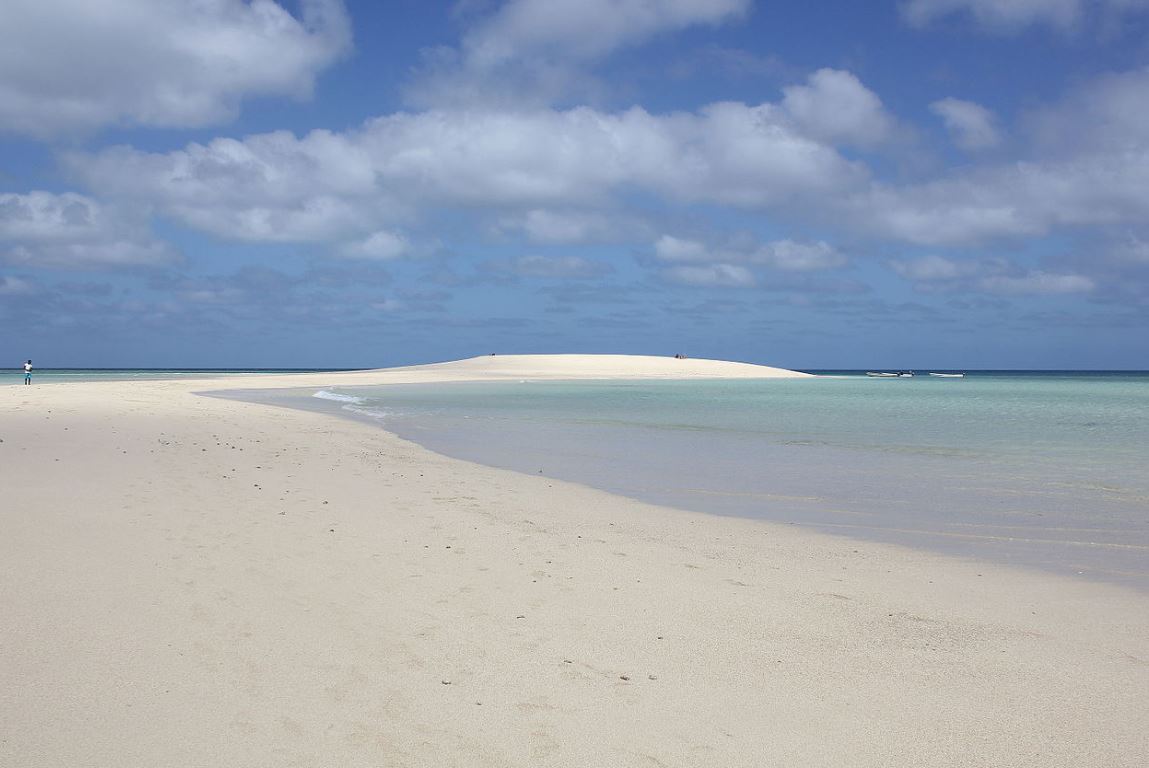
<point>188,581</point>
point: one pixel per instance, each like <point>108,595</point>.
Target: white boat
<point>948,375</point>
<point>891,374</point>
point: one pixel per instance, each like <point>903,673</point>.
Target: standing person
<point>28,372</point>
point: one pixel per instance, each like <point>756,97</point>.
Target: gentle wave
<point>323,394</point>
<point>356,405</point>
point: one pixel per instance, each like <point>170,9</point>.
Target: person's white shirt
<point>27,367</point>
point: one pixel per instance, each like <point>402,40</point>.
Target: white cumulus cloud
<point>995,275</point>
<point>542,225</point>
<point>1133,250</point>
<point>336,187</point>
<point>538,49</point>
<point>670,248</point>
<point>586,28</point>
<point>69,66</point>
<point>15,286</point>
<point>1086,167</point>
<point>711,275</point>
<point>833,105</point>
<point>43,229</point>
<point>931,268</point>
<point>378,245</point>
<point>972,126</point>
<point>1107,114</point>
<point>742,261</point>
<point>784,255</point>
<point>1024,199</point>
<point>791,256</point>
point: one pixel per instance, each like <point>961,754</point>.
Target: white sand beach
<point>594,367</point>
<point>193,581</point>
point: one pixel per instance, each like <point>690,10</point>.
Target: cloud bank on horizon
<point>557,175</point>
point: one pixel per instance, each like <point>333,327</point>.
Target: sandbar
<point>195,581</point>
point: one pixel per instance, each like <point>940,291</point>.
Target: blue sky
<point>946,183</point>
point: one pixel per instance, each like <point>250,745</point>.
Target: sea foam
<point>323,394</point>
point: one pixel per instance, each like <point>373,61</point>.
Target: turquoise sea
<point>1046,469</point>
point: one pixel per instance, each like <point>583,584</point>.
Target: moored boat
<point>948,375</point>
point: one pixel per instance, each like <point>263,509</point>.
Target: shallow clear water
<point>1048,469</point>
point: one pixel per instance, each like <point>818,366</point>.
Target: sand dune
<point>603,366</point>
<point>500,367</point>
<point>493,368</point>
